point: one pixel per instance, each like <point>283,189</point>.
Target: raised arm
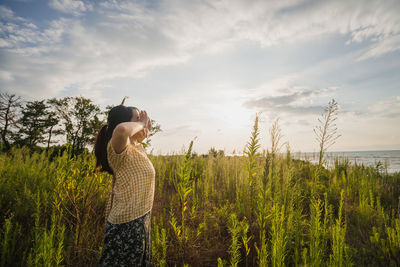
<point>124,130</point>
<point>144,133</point>
<point>141,135</point>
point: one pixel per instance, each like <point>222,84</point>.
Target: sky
<point>204,69</point>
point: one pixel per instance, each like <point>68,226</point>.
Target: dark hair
<point>116,115</point>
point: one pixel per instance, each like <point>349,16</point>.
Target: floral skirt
<point>127,244</point>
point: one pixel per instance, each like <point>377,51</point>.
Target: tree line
<point>38,123</point>
<point>77,120</point>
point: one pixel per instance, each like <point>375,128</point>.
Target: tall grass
<point>253,210</point>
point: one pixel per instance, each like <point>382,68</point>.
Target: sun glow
<point>229,110</point>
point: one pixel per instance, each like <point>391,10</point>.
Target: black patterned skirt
<point>127,244</point>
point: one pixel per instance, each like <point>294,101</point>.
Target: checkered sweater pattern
<point>133,184</point>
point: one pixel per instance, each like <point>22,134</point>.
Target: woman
<point>118,150</point>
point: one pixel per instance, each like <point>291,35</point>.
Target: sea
<point>389,159</point>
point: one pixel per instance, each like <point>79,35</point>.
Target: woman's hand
<point>144,133</point>
<point>149,126</point>
<point>146,120</point>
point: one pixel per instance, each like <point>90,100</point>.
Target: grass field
<point>253,210</point>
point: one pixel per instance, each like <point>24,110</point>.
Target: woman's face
<point>135,116</point>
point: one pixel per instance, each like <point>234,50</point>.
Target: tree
<point>155,129</point>
<point>52,120</point>
<point>80,119</point>
<point>9,105</point>
<point>33,123</point>
<point>326,132</point>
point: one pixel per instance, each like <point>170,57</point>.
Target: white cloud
<point>295,102</point>
<point>129,39</point>
<point>26,39</point>
<point>74,7</point>
<point>385,46</point>
<point>386,108</point>
<point>5,75</point>
<point>179,129</point>
<point>6,13</point>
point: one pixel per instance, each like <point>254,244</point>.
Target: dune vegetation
<point>260,209</point>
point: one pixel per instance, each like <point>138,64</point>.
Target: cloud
<point>304,122</point>
<point>389,44</point>
<point>180,129</point>
<point>5,75</point>
<point>6,13</point>
<point>387,108</point>
<point>73,7</point>
<point>20,36</point>
<point>296,103</point>
<point>130,39</point>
